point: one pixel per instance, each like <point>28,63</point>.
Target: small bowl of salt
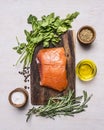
<point>18,97</point>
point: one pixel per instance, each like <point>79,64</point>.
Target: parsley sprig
<point>44,31</point>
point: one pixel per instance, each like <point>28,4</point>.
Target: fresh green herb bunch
<point>67,105</point>
<point>44,31</point>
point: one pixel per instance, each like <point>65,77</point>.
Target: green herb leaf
<point>15,48</point>
<point>67,105</point>
<point>45,31</point>
<point>45,44</point>
<point>85,95</point>
<point>31,19</point>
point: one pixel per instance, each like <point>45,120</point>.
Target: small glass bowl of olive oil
<point>86,70</point>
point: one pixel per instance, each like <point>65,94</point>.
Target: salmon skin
<point>52,68</point>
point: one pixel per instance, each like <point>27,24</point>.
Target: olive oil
<point>86,70</point>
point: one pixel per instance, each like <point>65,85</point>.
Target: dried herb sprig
<point>67,105</point>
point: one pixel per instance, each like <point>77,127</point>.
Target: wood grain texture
<point>39,94</point>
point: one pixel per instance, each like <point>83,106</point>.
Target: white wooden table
<point>13,21</point>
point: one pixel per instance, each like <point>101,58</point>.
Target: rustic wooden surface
<point>39,94</point>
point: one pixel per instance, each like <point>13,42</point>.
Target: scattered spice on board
<point>26,74</point>
<point>86,35</point>
<point>26,87</point>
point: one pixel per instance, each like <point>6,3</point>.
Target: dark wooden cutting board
<point>39,94</point>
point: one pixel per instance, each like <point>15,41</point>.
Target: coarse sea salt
<point>18,98</point>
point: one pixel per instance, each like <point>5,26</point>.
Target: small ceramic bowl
<point>86,35</point>
<point>18,97</point>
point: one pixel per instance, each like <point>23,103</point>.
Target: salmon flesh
<point>52,68</point>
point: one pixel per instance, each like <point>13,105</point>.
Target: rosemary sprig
<point>67,105</point>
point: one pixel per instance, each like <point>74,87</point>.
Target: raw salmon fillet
<point>52,68</point>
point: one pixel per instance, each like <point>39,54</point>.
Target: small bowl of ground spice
<point>86,35</point>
